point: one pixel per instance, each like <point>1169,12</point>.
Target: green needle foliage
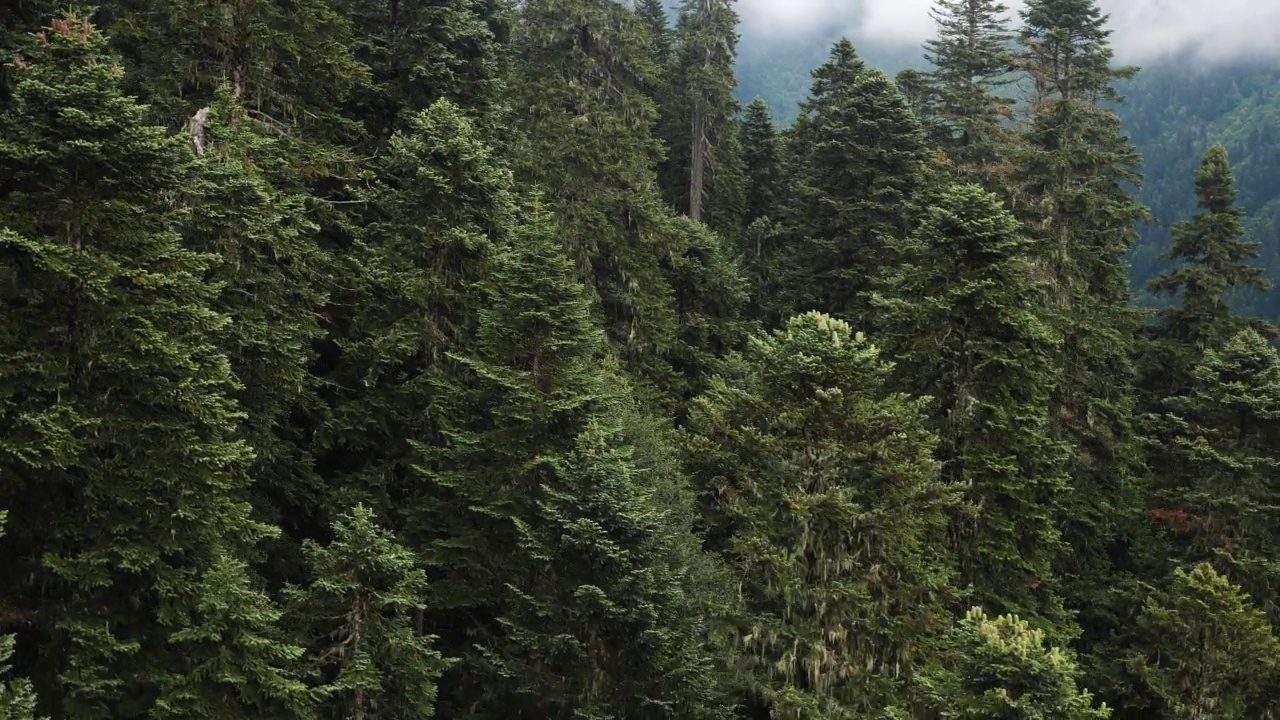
<point>820,486</point>
<point>1002,668</point>
<point>965,334</point>
<point>360,614</point>
<point>1210,653</point>
<point>126,480</point>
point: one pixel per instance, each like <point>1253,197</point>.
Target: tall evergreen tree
<point>555,587</point>
<point>972,57</point>
<point>966,335</point>
<point>357,614</point>
<point>125,482</point>
<point>761,161</point>
<point>588,125</point>
<point>1212,263</point>
<point>1073,189</point>
<point>1002,668</point>
<point>858,151</point>
<point>271,282</point>
<point>708,36</point>
<point>440,201</point>
<point>1213,481</point>
<point>819,485</point>
<point>1209,652</point>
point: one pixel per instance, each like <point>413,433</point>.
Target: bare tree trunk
<point>698,164</point>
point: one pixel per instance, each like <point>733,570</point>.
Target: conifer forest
<point>494,360</point>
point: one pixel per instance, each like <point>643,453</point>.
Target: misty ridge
<point>1144,31</point>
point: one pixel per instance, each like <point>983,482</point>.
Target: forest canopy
<point>474,359</point>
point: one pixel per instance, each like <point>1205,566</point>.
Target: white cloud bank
<point>1144,29</point>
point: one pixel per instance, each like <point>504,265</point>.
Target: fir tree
<point>761,162</point>
<point>1214,259</point>
<point>1212,263</point>
<point>440,201</point>
<point>1002,668</point>
<point>358,613</point>
<point>966,334</point>
<point>972,58</point>
<point>708,36</point>
<point>1212,481</point>
<point>588,123</point>
<point>125,481</point>
<point>858,151</point>
<point>1209,652</point>
<point>555,586</point>
<point>820,486</point>
<point>270,276</point>
<point>1073,190</point>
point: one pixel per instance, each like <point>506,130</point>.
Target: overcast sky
<point>1144,29</point>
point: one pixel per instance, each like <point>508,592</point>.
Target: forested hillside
<point>1175,111</point>
<point>487,360</point>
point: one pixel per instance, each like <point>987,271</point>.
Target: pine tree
<point>1002,668</point>
<point>708,35</point>
<point>1073,190</point>
<point>358,615</point>
<point>820,486</point>
<point>972,58</point>
<point>556,588</point>
<point>966,335</point>
<point>858,151</point>
<point>1209,652</point>
<point>128,534</point>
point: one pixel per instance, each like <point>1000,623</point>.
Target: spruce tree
<point>555,587</point>
<point>972,57</point>
<point>858,151</point>
<point>358,615</point>
<point>965,334</point>
<point>819,485</point>
<point>125,481</point>
<point>1003,668</point>
<point>1208,652</point>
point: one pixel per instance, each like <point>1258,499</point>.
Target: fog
<point>1144,30</point>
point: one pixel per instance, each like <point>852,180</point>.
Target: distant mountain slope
<point>1174,112</point>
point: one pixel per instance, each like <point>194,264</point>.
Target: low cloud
<point>1143,29</point>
